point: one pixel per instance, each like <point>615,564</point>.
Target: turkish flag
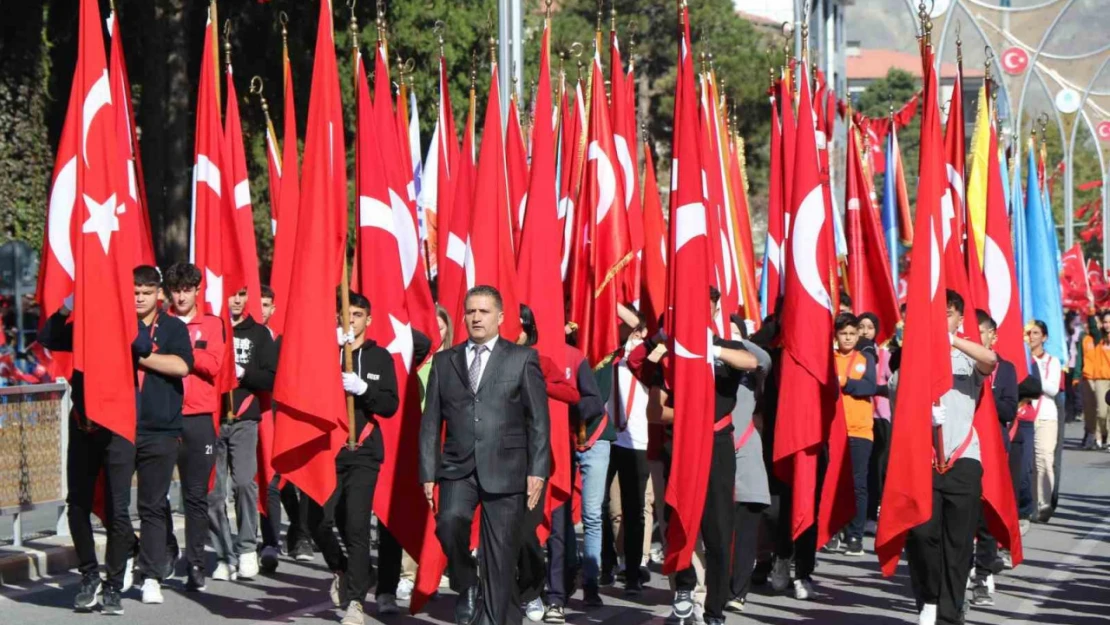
<point>455,276</point>
<point>90,185</point>
<point>956,158</point>
<point>571,147</point>
<point>623,89</point>
<point>439,171</point>
<point>807,329</point>
<point>604,250</point>
<point>516,162</point>
<point>381,216</point>
<point>214,247</point>
<point>399,178</point>
<point>724,268</point>
<point>741,227</point>
<point>310,414</point>
<point>926,372</point>
<point>773,255</point>
<point>653,299</point>
<point>789,139</point>
<point>538,271</point>
<point>868,271</point>
<point>688,320</point>
<point>134,220</point>
<point>287,207</point>
<point>489,251</point>
<point>241,202</point>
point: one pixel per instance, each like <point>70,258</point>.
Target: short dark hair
<point>845,299</point>
<point>846,320</point>
<point>873,318</point>
<point>181,276</point>
<point>358,300</point>
<point>954,300</point>
<point>714,294</point>
<point>147,275</point>
<point>528,324</point>
<point>266,291</point>
<point>1043,327</point>
<point>487,291</point>
<point>984,319</point>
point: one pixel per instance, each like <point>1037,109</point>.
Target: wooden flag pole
<point>345,281</point>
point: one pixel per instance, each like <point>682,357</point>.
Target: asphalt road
<point>1065,580</point>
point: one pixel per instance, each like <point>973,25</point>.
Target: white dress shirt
<point>471,350</point>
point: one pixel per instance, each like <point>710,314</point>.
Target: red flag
<point>926,372</point>
<point>90,183</point>
<point>868,270</point>
<point>289,198</point>
<point>571,147</point>
<point>723,273</point>
<point>383,215</point>
<point>774,255</point>
<point>538,268</point>
<point>489,251</point>
<point>905,221</point>
<point>455,277</point>
<point>741,227</point>
<point>998,269</point>
<point>688,321</point>
<point>654,277</point>
<point>789,141</point>
<point>603,250</point>
<point>400,182</point>
<point>807,365</point>
<point>214,247</point>
<point>516,162</point>
<point>241,202</point>
<point>1074,280</point>
<point>442,162</point>
<point>134,220</point>
<point>956,157</point>
<point>310,416</point>
<point>624,143</point>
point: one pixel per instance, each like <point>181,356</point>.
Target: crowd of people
<point>485,439</point>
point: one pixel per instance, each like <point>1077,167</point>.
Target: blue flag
<point>1041,265</point>
<point>890,211</point>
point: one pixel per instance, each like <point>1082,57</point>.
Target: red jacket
<point>207,335</point>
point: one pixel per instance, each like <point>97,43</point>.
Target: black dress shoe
<point>466,606</point>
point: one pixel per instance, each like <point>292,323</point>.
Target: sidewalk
<point>53,555</point>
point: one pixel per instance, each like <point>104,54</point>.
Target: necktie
<point>475,371</point>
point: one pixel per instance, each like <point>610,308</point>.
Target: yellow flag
<point>978,166</point>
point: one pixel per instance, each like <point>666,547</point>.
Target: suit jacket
<point>501,432</point>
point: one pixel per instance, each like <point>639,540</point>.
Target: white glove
<point>239,371</point>
<point>940,415</point>
<point>353,384</point>
<point>67,304</point>
<point>344,338</point>
<point>749,326</point>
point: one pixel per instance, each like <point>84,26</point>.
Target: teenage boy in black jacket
<point>162,356</point>
<point>237,445</point>
<point>373,384</point>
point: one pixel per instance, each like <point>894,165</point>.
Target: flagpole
<point>227,68</point>
<point>345,279</point>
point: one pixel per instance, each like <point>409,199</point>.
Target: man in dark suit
<point>490,393</point>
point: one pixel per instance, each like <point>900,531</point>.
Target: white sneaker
<point>152,591</point>
<point>353,615</point>
<point>387,604</point>
<point>1023,526</point>
<point>534,610</point>
<point>338,590</point>
<point>128,575</point>
<point>928,614</point>
<point>803,588</point>
<point>780,575</point>
<point>248,565</point>
<point>405,588</point>
<point>990,583</point>
<point>224,572</point>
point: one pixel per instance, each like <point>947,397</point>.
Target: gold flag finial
<point>256,89</point>
<point>613,18</point>
<point>227,44</point>
<point>283,19</point>
<point>438,29</point>
<point>547,9</point>
<point>352,26</point>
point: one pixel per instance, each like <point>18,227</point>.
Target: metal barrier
<point>32,451</point>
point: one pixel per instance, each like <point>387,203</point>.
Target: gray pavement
<point>1065,580</point>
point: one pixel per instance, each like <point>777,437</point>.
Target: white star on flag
<point>102,220</point>
<point>402,341</point>
<point>214,291</point>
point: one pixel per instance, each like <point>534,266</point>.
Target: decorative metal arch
<point>1069,180</point>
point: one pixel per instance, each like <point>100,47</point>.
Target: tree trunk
<point>165,121</point>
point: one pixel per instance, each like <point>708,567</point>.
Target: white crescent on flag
<point>63,197</point>
<point>803,245</point>
<point>606,181</point>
